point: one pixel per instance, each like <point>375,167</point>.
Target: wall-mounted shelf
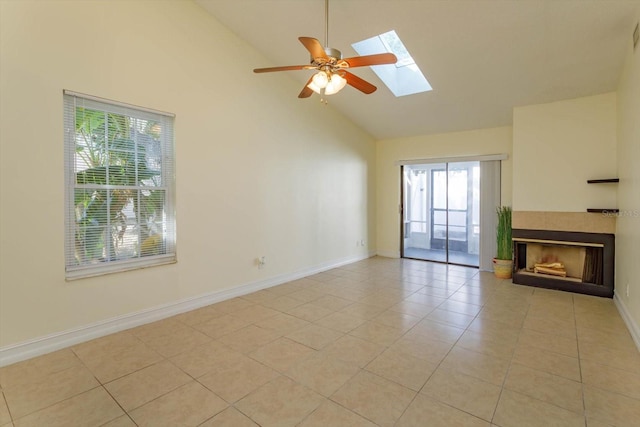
<point>602,181</point>
<point>603,210</point>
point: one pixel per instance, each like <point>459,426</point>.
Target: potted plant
<point>503,262</point>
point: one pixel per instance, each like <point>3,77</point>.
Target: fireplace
<point>568,261</point>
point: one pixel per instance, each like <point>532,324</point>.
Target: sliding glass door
<point>441,212</point>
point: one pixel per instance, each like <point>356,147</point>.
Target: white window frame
<point>164,252</point>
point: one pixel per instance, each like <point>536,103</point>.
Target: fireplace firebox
<point>563,260</point>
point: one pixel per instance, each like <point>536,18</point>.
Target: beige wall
<point>256,175</point>
<point>628,223</point>
<point>469,143</point>
<point>557,147</point>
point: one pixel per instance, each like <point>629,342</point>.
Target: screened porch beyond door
<point>441,212</point>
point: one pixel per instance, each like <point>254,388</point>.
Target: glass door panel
<point>463,231</point>
<point>414,222</point>
<point>438,210</point>
<point>441,212</point>
<point>424,212</point>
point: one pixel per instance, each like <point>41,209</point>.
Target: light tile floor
<point>382,342</point>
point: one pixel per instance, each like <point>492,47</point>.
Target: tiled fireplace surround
<point>597,227</point>
<point>583,222</point>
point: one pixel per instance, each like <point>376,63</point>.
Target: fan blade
<point>358,83</point>
<point>306,90</point>
<point>314,47</point>
<point>377,59</point>
<point>285,68</point>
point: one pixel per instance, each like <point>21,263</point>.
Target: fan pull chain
<point>322,98</point>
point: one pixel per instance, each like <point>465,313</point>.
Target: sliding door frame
<point>447,160</point>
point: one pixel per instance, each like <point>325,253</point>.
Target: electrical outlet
<point>362,242</point>
<point>261,261</point>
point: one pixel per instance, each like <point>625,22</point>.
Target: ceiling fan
<point>332,74</point>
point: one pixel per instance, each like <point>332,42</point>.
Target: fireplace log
<point>555,265</point>
<point>551,271</point>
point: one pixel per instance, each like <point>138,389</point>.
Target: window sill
<point>101,270</point>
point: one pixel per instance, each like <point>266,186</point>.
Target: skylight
<point>402,78</point>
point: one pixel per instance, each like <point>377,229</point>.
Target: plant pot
<point>503,268</point>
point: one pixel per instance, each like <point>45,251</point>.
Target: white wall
<point>628,223</point>
<point>454,144</point>
<point>256,175</point>
<point>557,147</point>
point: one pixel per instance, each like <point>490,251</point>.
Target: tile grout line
<point>439,363</point>
<point>103,387</point>
<point>6,404</point>
<point>504,380</point>
<point>119,405</point>
<point>584,403</point>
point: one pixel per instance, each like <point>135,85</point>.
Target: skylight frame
<point>402,78</point>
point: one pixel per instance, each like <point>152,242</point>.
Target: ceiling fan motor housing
<point>333,53</point>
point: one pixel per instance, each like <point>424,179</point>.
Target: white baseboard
<point>631,324</point>
<point>56,341</point>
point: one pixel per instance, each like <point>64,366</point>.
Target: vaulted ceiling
<point>482,57</point>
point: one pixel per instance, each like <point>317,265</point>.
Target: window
<point>119,175</point>
<point>402,78</point>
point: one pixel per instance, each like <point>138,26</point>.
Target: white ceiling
<point>482,57</point>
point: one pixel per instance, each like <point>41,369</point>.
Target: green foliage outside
<point>113,218</point>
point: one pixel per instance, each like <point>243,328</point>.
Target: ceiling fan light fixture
<point>327,83</point>
<point>336,83</point>
<point>320,81</point>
